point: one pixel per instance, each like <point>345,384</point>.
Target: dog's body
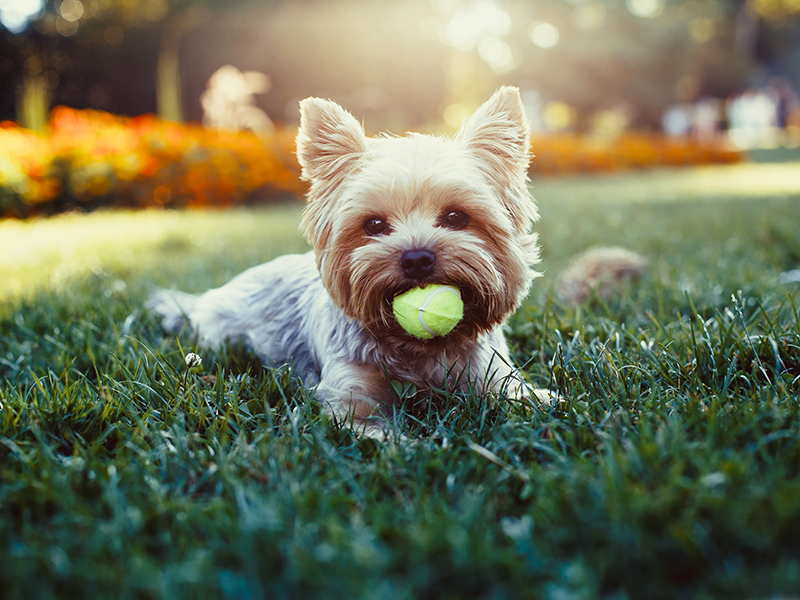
<point>385,215</point>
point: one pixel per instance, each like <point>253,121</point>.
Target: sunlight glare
<point>474,22</point>
<point>15,14</point>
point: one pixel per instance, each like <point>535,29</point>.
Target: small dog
<point>384,215</point>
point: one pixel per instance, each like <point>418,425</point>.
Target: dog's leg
<point>516,389</point>
<point>503,377</point>
<point>355,395</point>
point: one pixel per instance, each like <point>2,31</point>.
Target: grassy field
<point>671,469</point>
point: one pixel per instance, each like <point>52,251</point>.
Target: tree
<point>105,21</point>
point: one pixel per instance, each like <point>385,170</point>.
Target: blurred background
<point>400,65</point>
<point>721,73</point>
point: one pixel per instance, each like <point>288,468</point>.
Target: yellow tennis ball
<point>429,311</point>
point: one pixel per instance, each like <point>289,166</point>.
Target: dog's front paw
<point>543,397</point>
<point>539,397</point>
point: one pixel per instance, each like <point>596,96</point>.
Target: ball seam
<point>428,300</point>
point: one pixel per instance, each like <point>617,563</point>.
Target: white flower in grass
<point>193,360</point>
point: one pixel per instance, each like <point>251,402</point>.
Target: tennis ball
<point>428,311</point>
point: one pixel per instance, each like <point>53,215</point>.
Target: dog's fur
<point>460,203</point>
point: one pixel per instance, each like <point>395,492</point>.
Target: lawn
<point>670,470</point>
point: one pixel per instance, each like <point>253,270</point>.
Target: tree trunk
<point>33,102</point>
<point>168,76</point>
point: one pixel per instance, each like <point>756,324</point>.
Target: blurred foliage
<point>92,158</point>
<point>565,153</point>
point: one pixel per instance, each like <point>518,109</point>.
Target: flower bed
<point>91,158</point>
<point>563,154</point>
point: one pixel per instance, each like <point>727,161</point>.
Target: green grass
<point>671,470</point>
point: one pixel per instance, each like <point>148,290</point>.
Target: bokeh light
<point>15,14</point>
<point>558,116</point>
<point>544,35</point>
<point>702,29</point>
<point>590,15</point>
<point>476,21</point>
<point>113,35</point>
<point>454,114</point>
<point>71,10</point>
<point>66,27</point>
<point>497,54</point>
<point>646,9</point>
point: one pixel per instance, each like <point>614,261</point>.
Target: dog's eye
<point>455,219</point>
<point>376,226</point>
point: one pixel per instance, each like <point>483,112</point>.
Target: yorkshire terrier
<point>385,215</point>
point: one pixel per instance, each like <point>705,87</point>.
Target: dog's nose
<point>417,264</point>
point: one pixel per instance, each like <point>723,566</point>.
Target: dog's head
<point>387,214</point>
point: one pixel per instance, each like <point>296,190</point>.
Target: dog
<point>384,215</point>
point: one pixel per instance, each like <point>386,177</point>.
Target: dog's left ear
<point>499,133</point>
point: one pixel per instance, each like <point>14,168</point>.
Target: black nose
<point>417,264</point>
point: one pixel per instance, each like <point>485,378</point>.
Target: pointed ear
<point>329,139</point>
<point>500,128</point>
<point>498,135</point>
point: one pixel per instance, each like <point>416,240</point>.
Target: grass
<point>672,469</point>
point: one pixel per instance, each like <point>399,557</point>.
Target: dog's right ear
<point>329,140</point>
